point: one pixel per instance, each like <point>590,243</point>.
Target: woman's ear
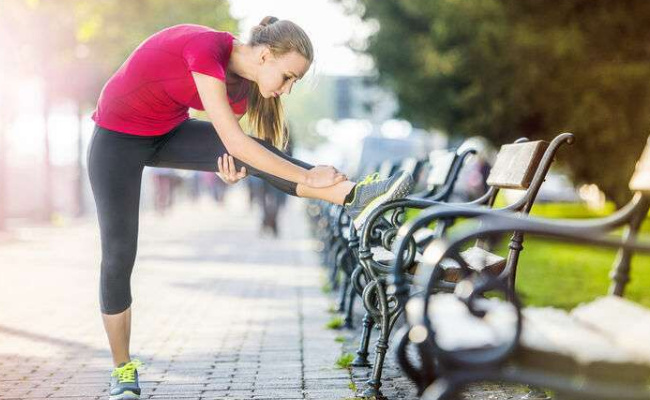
<point>264,55</point>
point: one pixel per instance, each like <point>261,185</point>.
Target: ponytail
<point>266,116</point>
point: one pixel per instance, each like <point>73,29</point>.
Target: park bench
<point>331,225</point>
<point>598,350</point>
<point>438,176</point>
<point>522,166</point>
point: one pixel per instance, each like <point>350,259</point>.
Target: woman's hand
<point>324,176</point>
<point>227,171</point>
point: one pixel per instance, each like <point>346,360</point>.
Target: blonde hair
<point>266,116</point>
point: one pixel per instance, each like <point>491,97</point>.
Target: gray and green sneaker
<point>124,381</point>
<point>373,192</point>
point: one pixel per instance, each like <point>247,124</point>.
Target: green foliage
<point>506,68</point>
<point>340,339</point>
<point>335,323</point>
<point>345,360</point>
<point>352,386</point>
<point>326,287</point>
<point>76,45</point>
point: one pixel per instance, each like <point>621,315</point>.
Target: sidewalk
<point>218,311</point>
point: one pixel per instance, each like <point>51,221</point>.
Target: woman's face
<point>277,75</point>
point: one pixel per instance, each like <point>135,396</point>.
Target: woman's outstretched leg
<point>335,194</point>
<point>195,145</point>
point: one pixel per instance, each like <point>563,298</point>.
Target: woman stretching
<point>142,120</point>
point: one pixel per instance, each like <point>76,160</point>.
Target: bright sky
<point>324,21</point>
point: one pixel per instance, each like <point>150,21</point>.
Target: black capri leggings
<point>115,164</point>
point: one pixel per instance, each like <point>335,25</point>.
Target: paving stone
<point>219,312</point>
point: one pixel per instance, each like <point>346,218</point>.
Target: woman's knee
<point>115,281</point>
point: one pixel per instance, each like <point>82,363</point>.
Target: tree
<point>507,68</point>
<point>76,45</point>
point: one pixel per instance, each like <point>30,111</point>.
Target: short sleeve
<point>208,53</point>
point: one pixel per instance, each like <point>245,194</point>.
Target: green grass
<point>326,288</point>
<point>335,323</point>
<point>570,210</point>
<point>565,275</point>
<point>344,360</point>
<point>339,339</point>
<point>352,386</point>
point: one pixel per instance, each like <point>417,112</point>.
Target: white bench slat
<point>384,256</point>
<point>478,259</point>
<point>441,163</point>
<point>553,330</point>
<point>457,328</point>
<point>624,322</point>
<point>545,330</point>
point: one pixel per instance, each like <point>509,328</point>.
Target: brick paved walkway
<point>218,311</point>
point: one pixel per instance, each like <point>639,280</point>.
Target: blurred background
<point>391,78</point>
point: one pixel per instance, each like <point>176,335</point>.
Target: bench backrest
<point>409,165</point>
<point>641,179</point>
<point>385,168</point>
<point>516,165</point>
<point>441,162</point>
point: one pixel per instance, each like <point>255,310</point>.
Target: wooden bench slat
<point>423,234</point>
<point>624,322</point>
<point>409,165</point>
<point>641,179</point>
<point>552,330</point>
<point>478,259</point>
<point>546,330</point>
<point>457,329</point>
<point>384,256</point>
<point>441,163</point>
<point>516,164</point>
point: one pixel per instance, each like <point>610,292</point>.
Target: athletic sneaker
<point>124,381</point>
<point>373,192</point>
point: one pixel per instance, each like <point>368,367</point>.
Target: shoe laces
<point>126,373</point>
<point>369,179</point>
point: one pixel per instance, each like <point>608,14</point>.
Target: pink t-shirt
<point>152,91</point>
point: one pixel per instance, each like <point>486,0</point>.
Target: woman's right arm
<point>215,101</point>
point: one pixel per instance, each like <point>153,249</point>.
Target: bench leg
<point>334,281</point>
<point>385,324</point>
<point>362,352</point>
<point>343,292</point>
<point>349,318</point>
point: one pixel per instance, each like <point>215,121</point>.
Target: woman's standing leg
<point>115,165</point>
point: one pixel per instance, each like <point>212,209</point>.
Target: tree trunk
<point>80,168</point>
<point>47,184</point>
<point>3,168</point>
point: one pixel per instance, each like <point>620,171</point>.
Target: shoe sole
<point>127,395</point>
<point>401,188</point>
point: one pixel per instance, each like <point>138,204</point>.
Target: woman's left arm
<point>226,170</point>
